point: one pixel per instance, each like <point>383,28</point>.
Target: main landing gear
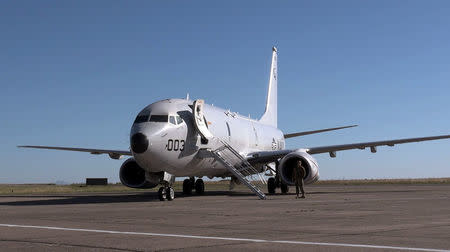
<point>274,182</point>
<point>190,183</point>
<point>272,185</point>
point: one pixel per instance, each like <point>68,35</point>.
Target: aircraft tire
<point>284,188</point>
<point>170,193</point>
<point>271,185</point>
<point>187,187</point>
<point>199,187</point>
<point>162,194</point>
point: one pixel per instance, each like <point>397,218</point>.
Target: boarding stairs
<point>226,154</point>
<point>239,167</point>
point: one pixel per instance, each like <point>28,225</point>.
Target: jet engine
<point>134,176</point>
<point>288,163</point>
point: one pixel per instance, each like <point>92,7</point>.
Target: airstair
<point>227,155</point>
<point>239,167</point>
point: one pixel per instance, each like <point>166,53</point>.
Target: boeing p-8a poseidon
<point>183,138</point>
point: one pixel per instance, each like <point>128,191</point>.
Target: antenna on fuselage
<point>187,96</point>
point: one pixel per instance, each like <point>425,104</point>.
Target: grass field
<point>8,189</point>
<point>385,181</point>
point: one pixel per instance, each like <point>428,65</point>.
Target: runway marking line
<point>226,238</point>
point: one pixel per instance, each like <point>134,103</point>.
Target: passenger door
<point>199,120</point>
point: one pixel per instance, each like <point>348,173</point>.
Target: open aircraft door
<point>200,121</point>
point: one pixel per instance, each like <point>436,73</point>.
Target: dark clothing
<point>298,174</point>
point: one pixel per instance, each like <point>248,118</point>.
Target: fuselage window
<point>159,118</point>
<point>141,119</point>
<point>172,120</point>
<point>179,120</point>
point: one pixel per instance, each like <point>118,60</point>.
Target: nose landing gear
<point>162,194</point>
<point>170,193</point>
<point>166,193</point>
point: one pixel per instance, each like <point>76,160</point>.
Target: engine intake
<point>288,163</point>
<point>132,175</point>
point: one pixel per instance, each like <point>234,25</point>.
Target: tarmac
<point>331,218</point>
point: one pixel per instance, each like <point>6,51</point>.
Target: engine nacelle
<point>132,175</point>
<point>288,162</point>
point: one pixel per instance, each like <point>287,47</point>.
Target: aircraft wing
<point>272,156</point>
<point>114,154</point>
<point>372,145</point>
<point>304,133</point>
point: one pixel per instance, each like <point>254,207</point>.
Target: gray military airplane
<point>184,138</point>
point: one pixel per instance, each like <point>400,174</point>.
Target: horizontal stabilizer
<point>315,131</point>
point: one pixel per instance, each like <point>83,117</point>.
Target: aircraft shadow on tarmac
<point>145,197</point>
<point>102,198</point>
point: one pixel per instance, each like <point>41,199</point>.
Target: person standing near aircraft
<point>298,174</point>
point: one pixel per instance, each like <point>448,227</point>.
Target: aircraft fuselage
<point>173,144</point>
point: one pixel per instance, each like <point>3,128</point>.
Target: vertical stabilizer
<point>270,114</point>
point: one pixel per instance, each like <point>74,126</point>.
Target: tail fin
<point>270,114</point>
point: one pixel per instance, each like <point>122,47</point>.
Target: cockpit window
<point>172,120</point>
<point>141,119</point>
<point>159,118</point>
<point>179,120</point>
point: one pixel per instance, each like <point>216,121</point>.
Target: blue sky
<point>76,73</point>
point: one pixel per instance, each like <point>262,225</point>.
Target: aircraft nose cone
<point>139,143</point>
